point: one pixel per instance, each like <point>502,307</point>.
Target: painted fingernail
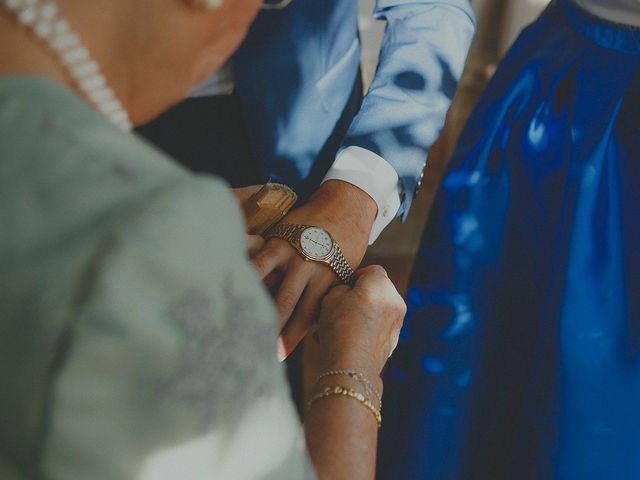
<point>282,354</point>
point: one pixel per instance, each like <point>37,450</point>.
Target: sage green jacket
<point>135,340</point>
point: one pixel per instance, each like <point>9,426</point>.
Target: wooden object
<point>266,207</point>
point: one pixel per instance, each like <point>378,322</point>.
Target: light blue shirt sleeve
<point>421,59</point>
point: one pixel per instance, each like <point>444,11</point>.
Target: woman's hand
<point>358,327</point>
<point>347,213</point>
<point>357,330</point>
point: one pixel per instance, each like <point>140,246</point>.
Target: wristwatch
<point>315,244</point>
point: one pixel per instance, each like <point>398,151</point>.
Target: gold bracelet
<point>347,392</point>
<point>357,376</point>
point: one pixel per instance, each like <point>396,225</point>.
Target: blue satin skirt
<point>520,356</point>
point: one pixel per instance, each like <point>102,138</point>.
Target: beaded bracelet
<point>347,392</point>
<point>359,377</point>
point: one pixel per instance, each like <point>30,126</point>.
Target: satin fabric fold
<point>520,355</point>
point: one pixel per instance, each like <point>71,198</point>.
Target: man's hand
<point>347,213</point>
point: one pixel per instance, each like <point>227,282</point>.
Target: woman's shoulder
<point>67,174</point>
<point>65,168</point>
<point>45,127</point>
<point>136,273</point>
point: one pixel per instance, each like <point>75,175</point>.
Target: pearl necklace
<point>42,19</point>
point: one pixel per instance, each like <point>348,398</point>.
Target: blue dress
<point>520,355</point>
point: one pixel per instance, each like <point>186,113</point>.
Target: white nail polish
<point>282,354</point>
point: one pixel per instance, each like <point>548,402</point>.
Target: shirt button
<point>386,211</point>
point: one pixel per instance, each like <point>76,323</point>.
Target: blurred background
<point>498,24</point>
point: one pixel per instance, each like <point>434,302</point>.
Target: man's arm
<point>422,56</point>
<point>421,59</point>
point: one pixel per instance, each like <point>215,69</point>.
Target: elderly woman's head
<point>152,52</point>
<point>166,47</point>
<point>180,42</point>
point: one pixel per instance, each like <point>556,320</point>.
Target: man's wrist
<point>345,205</point>
<point>373,175</point>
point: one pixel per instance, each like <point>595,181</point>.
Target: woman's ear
<point>204,4</point>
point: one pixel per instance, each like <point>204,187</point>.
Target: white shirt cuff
<point>375,176</point>
<point>221,82</point>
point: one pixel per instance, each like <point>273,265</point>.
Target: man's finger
<point>290,291</point>
<point>274,254</point>
<point>273,280</point>
<point>303,317</point>
<point>254,244</point>
<point>292,334</point>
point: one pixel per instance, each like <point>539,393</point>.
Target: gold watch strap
<point>338,263</point>
<point>341,267</point>
<point>285,231</point>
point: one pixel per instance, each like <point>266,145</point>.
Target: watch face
<point>316,243</point>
